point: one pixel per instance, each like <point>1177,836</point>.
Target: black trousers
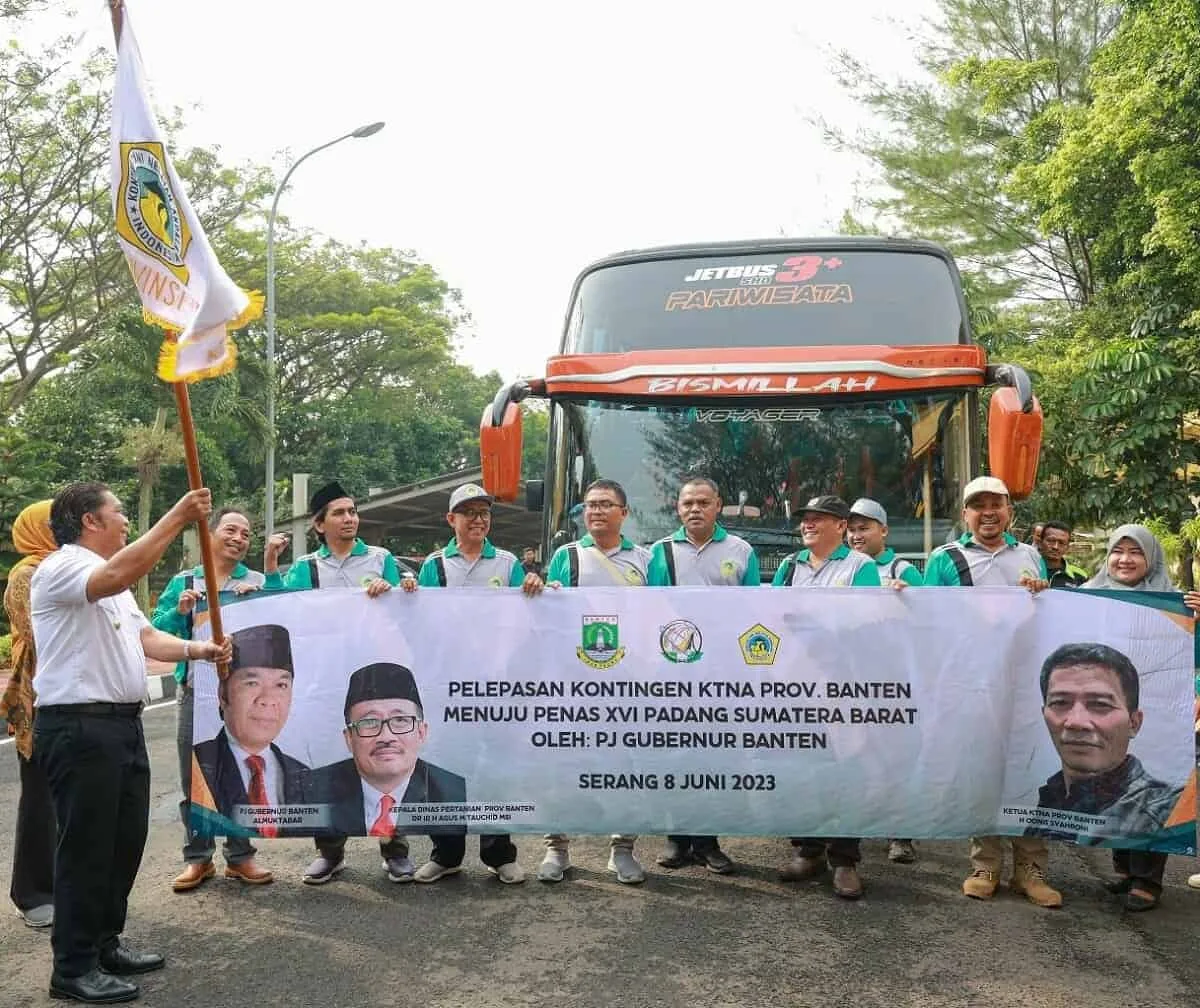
<point>1145,867</point>
<point>696,843</point>
<point>33,849</point>
<point>99,776</point>
<point>495,849</point>
<point>842,852</point>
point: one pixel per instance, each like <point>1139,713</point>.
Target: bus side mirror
<point>500,452</point>
<point>1014,440</point>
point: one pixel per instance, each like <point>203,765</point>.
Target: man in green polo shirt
<point>1054,543</point>
<point>867,532</point>
<point>469,560</point>
<point>175,613</point>
<point>700,552</point>
<point>826,562</point>
<point>601,558</point>
<point>987,555</point>
<point>345,561</point>
<point>342,560</point>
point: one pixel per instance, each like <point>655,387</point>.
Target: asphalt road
<point>682,939</point>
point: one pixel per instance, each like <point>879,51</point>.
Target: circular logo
<point>495,582</point>
<point>728,568</point>
<point>680,642</point>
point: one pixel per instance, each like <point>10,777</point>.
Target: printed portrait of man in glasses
<point>385,731</point>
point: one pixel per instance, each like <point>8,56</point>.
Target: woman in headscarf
<point>33,857</point>
<point>1135,562</point>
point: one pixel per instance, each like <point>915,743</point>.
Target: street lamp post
<point>363,131</point>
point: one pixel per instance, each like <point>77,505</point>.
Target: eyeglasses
<point>481,515</point>
<point>601,505</point>
<point>369,727</point>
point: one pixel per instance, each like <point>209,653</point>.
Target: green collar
<point>967,539</point>
<point>587,540</point>
<point>840,553</point>
<point>451,549</point>
<point>886,556</point>
<point>718,534</point>
<point>358,549</point>
<point>239,571</point>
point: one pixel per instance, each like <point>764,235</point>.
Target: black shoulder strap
<point>314,574</point>
<point>961,565</point>
<point>439,565</point>
<point>669,556</point>
<point>788,566</point>
<point>895,567</point>
<point>189,582</point>
<point>573,565</point>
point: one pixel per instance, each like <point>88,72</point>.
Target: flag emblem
<point>148,214</point>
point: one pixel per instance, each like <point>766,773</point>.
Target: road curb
<point>160,687</point>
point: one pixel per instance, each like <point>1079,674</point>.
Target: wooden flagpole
<point>187,429</point>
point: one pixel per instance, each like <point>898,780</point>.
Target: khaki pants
<point>987,852</point>
<point>560,841</point>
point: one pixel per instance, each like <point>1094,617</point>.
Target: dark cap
<point>326,496</point>
<point>829,505</point>
<point>381,681</point>
<point>267,646</point>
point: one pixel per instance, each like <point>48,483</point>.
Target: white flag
<point>183,288</point>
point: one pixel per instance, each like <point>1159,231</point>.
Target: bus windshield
<point>910,454</point>
<point>845,298</point>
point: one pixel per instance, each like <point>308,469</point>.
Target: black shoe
<point>714,859</point>
<point>122,959</point>
<point>96,987</point>
<point>1121,884</point>
<point>675,855</point>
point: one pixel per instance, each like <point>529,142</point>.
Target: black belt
<point>101,709</point>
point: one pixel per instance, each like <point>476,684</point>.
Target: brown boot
<point>981,884</point>
<point>249,872</point>
<point>1030,880</point>
<point>847,883</point>
<point>801,869</point>
<point>193,876</point>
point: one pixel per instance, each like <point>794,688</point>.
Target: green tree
<point>998,74</point>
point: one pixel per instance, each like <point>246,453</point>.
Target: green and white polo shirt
<point>845,568</point>
<point>493,568</point>
<point>724,560</point>
<point>1013,561</point>
<point>363,564</point>
<point>893,568</point>
<point>582,564</point>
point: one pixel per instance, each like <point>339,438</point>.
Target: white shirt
<point>372,798</point>
<point>273,778</point>
<point>87,651</point>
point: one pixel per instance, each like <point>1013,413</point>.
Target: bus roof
<point>754,246</point>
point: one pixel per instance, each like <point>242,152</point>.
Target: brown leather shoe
<point>193,876</point>
<point>847,883</point>
<point>249,873</point>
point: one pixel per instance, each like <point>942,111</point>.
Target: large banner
<point>845,712</point>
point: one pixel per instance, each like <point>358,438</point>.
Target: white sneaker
<point>626,866</point>
<point>554,865</point>
<point>510,874</point>
<point>1194,881</point>
<point>431,871</point>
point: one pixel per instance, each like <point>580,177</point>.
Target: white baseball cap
<point>984,484</point>
<point>466,493</point>
<point>864,507</point>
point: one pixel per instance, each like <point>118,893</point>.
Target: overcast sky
<point>525,139</point>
